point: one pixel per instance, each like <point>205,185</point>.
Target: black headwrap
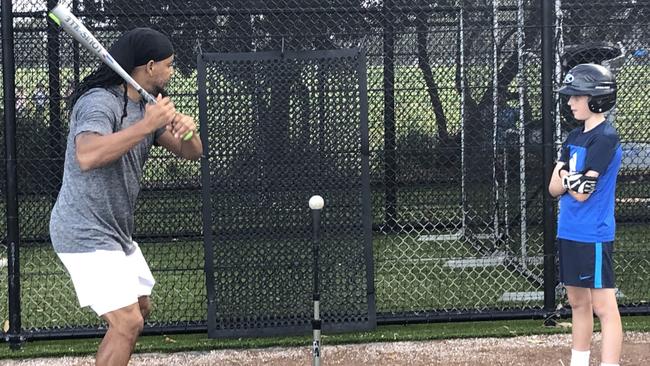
<point>134,48</point>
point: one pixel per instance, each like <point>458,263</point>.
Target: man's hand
<point>181,125</point>
<point>160,114</point>
<point>579,183</point>
<point>175,138</point>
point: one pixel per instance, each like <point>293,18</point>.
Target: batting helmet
<point>593,80</point>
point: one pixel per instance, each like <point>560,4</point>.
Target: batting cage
<point>430,128</point>
<point>280,126</point>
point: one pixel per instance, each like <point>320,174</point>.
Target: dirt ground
<point>527,351</point>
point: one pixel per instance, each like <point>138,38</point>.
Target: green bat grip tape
<point>54,18</point>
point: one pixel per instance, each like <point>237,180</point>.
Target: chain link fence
<point>456,164</point>
<point>458,194</point>
<point>619,34</point>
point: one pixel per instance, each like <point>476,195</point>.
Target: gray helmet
<point>593,80</point>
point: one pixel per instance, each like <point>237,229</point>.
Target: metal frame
<point>370,318</point>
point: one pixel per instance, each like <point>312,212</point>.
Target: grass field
<point>410,275</point>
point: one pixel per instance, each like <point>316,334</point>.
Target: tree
<point>241,26</point>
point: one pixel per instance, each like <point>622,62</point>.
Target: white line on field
<point>476,262</point>
<point>468,262</point>
<point>455,236</point>
<point>534,296</point>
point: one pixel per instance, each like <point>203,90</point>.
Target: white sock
<point>579,358</point>
<point>608,364</point>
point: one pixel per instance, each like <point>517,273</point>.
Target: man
<point>585,181</point>
<point>111,133</point>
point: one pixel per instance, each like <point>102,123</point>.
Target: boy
<point>585,181</point>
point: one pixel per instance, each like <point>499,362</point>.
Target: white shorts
<point>108,280</point>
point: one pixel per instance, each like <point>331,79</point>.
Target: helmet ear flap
<point>602,103</point>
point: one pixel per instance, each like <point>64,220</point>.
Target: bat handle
<point>151,99</point>
<point>146,96</point>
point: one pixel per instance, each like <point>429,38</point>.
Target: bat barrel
<point>77,30</point>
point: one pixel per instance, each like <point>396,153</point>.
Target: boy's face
<point>580,107</point>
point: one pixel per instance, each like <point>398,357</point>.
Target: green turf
<point>392,333</point>
<point>410,275</point>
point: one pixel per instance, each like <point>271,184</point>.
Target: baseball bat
<point>74,27</point>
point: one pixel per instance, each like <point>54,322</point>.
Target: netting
<point>281,127</point>
<point>455,128</point>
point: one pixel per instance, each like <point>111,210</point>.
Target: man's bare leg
<point>124,327</point>
<point>145,306</point>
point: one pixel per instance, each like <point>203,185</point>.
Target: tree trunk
<point>427,73</point>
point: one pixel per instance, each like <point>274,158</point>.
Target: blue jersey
<point>600,150</point>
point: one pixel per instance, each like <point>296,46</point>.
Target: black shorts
<point>586,265</point>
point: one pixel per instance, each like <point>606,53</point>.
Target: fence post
<point>390,158</point>
<point>548,105</point>
<point>13,335</point>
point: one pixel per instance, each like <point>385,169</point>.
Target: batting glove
<point>579,183</point>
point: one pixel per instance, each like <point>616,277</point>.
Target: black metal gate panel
<point>279,127</point>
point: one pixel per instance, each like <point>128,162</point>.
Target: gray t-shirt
<point>94,210</point>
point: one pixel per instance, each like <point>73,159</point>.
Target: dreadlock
<point>134,48</point>
<point>103,77</point>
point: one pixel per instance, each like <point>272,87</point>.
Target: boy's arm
<point>581,197</point>
<point>555,187</point>
<point>599,155</point>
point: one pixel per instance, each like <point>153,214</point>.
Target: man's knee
<point>145,305</point>
<point>130,326</point>
<point>128,321</point>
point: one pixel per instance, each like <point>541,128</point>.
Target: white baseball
<point>316,202</point>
